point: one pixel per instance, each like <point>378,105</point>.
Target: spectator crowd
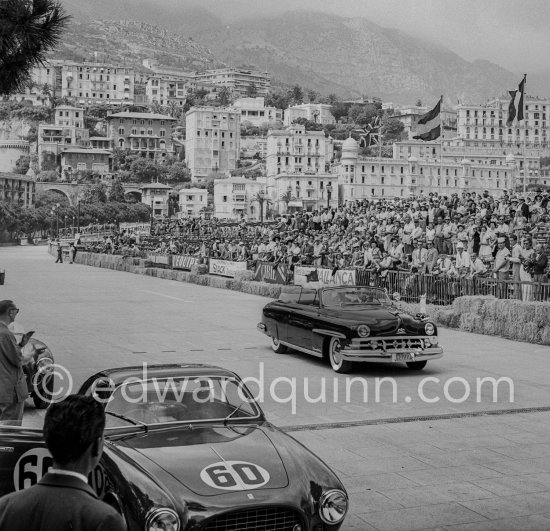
<point>459,236</point>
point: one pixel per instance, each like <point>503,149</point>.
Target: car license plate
<point>404,356</point>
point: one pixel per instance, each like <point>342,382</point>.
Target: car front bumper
<point>393,349</point>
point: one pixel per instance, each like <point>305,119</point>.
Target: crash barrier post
<point>272,273</point>
<point>2,276</point>
<point>225,268</point>
<point>442,290</point>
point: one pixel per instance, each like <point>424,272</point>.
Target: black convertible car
<point>188,448</point>
<point>349,324</point>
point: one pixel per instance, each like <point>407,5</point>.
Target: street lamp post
<point>78,222</point>
<point>329,192</point>
<point>55,210</point>
<point>74,228</point>
<point>65,227</point>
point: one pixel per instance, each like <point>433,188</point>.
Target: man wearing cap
<point>501,267</point>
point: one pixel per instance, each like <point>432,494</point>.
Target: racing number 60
<point>234,475</point>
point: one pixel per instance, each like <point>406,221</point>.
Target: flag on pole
<point>511,108</point>
<point>515,107</point>
<point>431,124</point>
<point>521,88</point>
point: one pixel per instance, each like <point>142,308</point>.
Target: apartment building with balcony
<point>167,88</point>
<point>15,188</point>
<point>368,177</point>
<point>241,82</point>
<point>157,196</point>
<point>236,197</point>
<point>212,140</point>
<point>295,191</point>
<point>192,201</point>
<point>295,150</point>
<point>67,131</point>
<point>146,134</point>
<point>253,110</point>
<point>485,125</point>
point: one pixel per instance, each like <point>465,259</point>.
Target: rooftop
<point>141,116</point>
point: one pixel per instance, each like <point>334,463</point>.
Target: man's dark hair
<point>71,426</point>
<point>5,306</point>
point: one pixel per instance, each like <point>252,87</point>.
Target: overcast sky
<point>512,33</point>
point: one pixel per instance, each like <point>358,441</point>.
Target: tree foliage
<point>28,30</point>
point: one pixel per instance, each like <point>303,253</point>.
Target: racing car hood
<point>213,460</point>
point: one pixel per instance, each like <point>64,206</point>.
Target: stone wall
<point>511,319</point>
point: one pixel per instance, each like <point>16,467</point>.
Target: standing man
<point>59,253</point>
<point>501,268</point>
<point>13,386</point>
<point>515,260</point>
<point>62,499</point>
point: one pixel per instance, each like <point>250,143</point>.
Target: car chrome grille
<point>389,344</point>
<point>264,518</point>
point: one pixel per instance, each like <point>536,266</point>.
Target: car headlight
<point>333,506</point>
<point>162,519</point>
<point>430,329</point>
<point>363,331</point>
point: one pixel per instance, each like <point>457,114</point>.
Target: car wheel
<point>335,357</point>
<point>277,346</point>
<point>416,365</point>
<point>42,397</point>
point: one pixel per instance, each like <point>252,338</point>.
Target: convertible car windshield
<point>345,296</point>
<point>180,399</point>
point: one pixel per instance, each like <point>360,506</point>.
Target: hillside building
<point>314,112</point>
<point>295,150</point>
<point>241,82</point>
<point>236,197</point>
<point>15,188</point>
<point>212,140</point>
<point>192,201</point>
<point>146,134</point>
<point>253,110</point>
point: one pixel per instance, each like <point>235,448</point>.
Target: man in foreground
<point>13,386</point>
<point>62,499</point>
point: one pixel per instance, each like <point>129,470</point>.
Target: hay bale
<point>544,334</point>
<point>541,314</point>
<point>244,275</point>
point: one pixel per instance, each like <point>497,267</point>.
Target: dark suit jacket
<point>541,261</point>
<point>13,386</point>
<point>59,503</point>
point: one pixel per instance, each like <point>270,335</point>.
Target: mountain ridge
<point>327,53</point>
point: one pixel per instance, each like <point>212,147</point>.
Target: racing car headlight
<point>429,329</point>
<point>363,331</point>
<point>333,506</point>
<point>162,519</point>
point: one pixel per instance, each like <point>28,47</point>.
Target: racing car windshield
<point>184,399</point>
<point>345,296</point>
